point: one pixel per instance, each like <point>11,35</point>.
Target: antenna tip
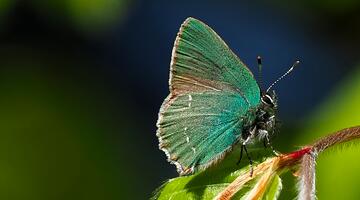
<point>296,63</point>
<point>258,59</point>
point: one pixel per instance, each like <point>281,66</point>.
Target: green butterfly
<point>214,101</point>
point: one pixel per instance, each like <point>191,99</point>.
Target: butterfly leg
<point>269,144</point>
<point>250,161</point>
<point>251,135</point>
<point>243,148</point>
<point>241,154</point>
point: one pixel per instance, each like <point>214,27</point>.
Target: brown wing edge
<point>173,52</point>
<point>162,146</point>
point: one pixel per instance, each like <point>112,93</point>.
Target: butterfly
<point>214,101</point>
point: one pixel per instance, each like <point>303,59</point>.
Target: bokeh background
<point>81,82</point>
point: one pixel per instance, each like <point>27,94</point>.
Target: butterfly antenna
<point>260,78</point>
<point>285,74</point>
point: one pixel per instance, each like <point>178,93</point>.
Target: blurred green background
<point>81,83</point>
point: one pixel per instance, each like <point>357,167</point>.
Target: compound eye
<point>267,100</point>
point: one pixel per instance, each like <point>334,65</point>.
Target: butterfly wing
<point>212,95</point>
<point>202,60</point>
<point>197,129</point>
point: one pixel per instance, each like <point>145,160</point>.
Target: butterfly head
<point>269,99</point>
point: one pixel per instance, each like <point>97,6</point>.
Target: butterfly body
<point>214,101</point>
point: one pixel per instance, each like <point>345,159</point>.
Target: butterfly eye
<point>267,100</point>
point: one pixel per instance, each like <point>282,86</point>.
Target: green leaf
<point>267,186</point>
<point>274,189</point>
<point>207,184</point>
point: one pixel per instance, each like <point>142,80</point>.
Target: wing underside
<point>197,129</point>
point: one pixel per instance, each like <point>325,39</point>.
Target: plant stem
<point>306,184</point>
<point>306,155</point>
<point>338,137</point>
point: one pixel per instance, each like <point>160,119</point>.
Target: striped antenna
<point>285,74</point>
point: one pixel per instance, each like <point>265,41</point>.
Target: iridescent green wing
<point>199,55</point>
<point>212,95</point>
<point>197,129</point>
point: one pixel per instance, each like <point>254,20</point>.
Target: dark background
<point>81,83</point>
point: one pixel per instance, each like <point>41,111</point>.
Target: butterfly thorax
<point>264,123</point>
